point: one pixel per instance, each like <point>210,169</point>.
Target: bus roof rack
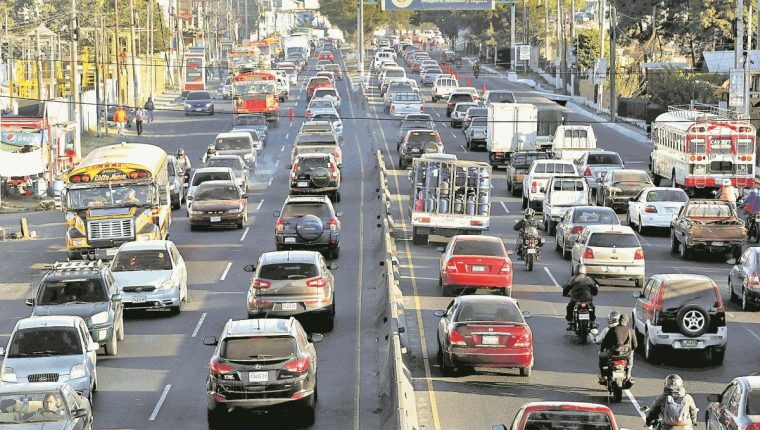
<point>702,111</point>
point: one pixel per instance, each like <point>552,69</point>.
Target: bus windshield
<point>109,196</point>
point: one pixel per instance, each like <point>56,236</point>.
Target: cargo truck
<point>572,141</point>
<point>448,196</point>
<point>511,127</point>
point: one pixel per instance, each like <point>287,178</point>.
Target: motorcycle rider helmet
<point>211,149</point>
<point>180,152</point>
<point>580,269</point>
<point>529,213</point>
<point>613,318</point>
<point>673,382</point>
<point>726,182</point>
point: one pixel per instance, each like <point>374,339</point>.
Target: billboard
<point>437,4</point>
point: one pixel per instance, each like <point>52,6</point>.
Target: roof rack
<point>77,265</point>
<point>701,111</point>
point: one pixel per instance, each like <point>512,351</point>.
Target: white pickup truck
<point>562,193</point>
<point>534,183</point>
<point>572,141</point>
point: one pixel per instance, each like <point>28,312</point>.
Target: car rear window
<point>455,98</point>
<point>617,240</point>
<point>479,121</point>
<point>423,136</point>
<point>568,185</point>
<point>611,159</point>
<point>79,290</point>
<point>630,177</point>
<point>216,192</point>
<point>321,104</point>
<point>471,112</point>
<point>325,92</point>
<point>402,87</point>
<point>310,163</point>
<point>412,125</point>
<point>489,248</point>
<point>45,341</point>
<point>667,196</point>
<point>251,348</point>
<point>554,168</point>
<point>316,139</point>
<point>250,120</point>
<point>395,73</point>
<point>484,311</point>
<point>568,419</point>
<point>140,260</point>
<point>297,210</point>
<point>408,97</point>
<point>232,143</point>
<point>319,81</point>
<point>595,216</point>
<point>288,271</point>
<point>202,177</point>
<point>462,107</point>
<point>681,292</point>
<point>325,117</point>
<point>501,98</point>
<point>708,210</point>
<point>232,163</point>
<point>753,402</point>
<point>448,82</point>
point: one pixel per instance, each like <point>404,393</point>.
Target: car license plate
<point>583,317</point>
<point>478,268</point>
<point>302,184</point>
<point>137,299</point>
<point>216,218</point>
<point>198,109</point>
<point>289,306</point>
<point>717,243</point>
<point>618,375</point>
<point>689,343</point>
<point>613,269</point>
<point>531,250</point>
<point>490,340</point>
<point>110,252</point>
<point>258,376</point>
<point>415,149</point>
<point>290,240</point>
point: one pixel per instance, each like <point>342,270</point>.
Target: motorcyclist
<point>579,288</point>
<point>619,341</point>
<point>674,406</point>
<point>751,207</point>
<point>210,152</point>
<point>728,193</point>
<point>613,319</point>
<point>183,162</point>
<point>522,226</point>
<point>476,68</point>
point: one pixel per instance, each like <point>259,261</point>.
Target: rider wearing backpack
<point>676,408</point>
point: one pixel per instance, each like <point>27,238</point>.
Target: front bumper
<point>223,219</point>
<point>679,341</point>
<point>199,110</point>
<point>156,299</point>
<point>101,333</point>
<point>479,357</point>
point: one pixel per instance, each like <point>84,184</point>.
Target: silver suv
<point>308,223</point>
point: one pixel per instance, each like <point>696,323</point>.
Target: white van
<point>383,57</point>
<point>443,86</point>
<point>572,141</point>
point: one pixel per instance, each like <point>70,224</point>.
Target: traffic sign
<point>523,52</point>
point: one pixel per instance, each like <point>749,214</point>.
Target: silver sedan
<point>577,217</point>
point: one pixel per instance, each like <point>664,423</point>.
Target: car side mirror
<point>316,337</point>
<point>116,298</point>
<point>93,346</point>
<point>30,302</point>
<point>339,214</point>
<point>334,266</point>
<point>638,295</point>
<point>276,214</point>
<point>210,340</point>
<point>80,413</point>
<point>439,313</point>
<point>250,268</point>
<point>441,249</point>
<point>289,166</point>
<point>244,196</point>
<point>713,397</point>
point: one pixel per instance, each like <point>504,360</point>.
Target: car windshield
<point>20,408</point>
<point>753,402</point>
<point>455,98</point>
<point>422,137</point>
<point>605,159</point>
<point>201,177</point>
<point>568,420</point>
<point>232,163</point>
<point>667,196</point>
<point>286,271</point>
<point>113,196</point>
<point>616,240</point>
<point>630,177</point>
<point>141,260</point>
<point>250,120</point>
<point>485,311</point>
<point>217,192</point>
<point>491,248</point>
<point>297,210</point>
<point>595,216</point>
<point>500,98</point>
<point>200,95</point>
<point>525,160</point>
<point>62,292</point>
<point>257,347</point>
<point>44,341</point>
<point>708,210</point>
<point>233,143</point>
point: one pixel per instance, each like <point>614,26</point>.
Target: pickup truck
<point>518,167</point>
<point>710,225</point>
<point>534,183</point>
<point>562,193</point>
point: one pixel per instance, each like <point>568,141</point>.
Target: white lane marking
<point>226,270</point>
<point>505,207</point>
<point>282,149</point>
<point>287,135</point>
<point>160,402</point>
<point>454,135</point>
<point>277,164</point>
<point>463,148</point>
<point>269,184</point>
<point>635,404</point>
<point>755,335</point>
<point>258,206</point>
<point>556,284</point>
<point>198,326</point>
<point>296,105</point>
<point>437,114</point>
<point>245,233</point>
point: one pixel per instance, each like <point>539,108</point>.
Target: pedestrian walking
<point>120,118</point>
<point>139,118</point>
<point>149,107</point>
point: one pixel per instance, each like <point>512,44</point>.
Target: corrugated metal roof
<point>723,61</point>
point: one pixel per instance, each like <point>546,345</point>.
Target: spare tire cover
<point>309,228</point>
<point>320,177</point>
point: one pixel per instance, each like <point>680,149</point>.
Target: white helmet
<point>726,182</point>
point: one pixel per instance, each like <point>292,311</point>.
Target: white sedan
<point>655,207</point>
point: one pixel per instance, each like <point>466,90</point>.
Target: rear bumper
<point>663,220</point>
<point>275,310</point>
<point>500,359</point>
<point>481,281</point>
<point>629,272</point>
<point>679,341</point>
<point>312,191</point>
<point>224,219</point>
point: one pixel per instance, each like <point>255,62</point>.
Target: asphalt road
<point>157,381</point>
<point>564,369</point>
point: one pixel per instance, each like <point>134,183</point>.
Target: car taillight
<point>588,253</point>
<point>576,229</point>
<point>523,341</point>
<point>533,187</point>
<point>261,284</point>
<point>639,255</point>
<point>217,367</point>
<point>753,279</point>
<point>293,172</point>
<point>451,266</point>
<point>505,268</point>
<point>280,225</point>
<point>422,109</point>
<point>438,138</point>
<point>308,113</point>
<point>587,172</point>
<point>300,365</point>
<point>393,108</point>
<point>619,363</point>
<point>449,104</point>
<point>333,224</point>
<point>650,209</point>
<point>317,282</point>
<point>455,338</point>
<point>334,171</point>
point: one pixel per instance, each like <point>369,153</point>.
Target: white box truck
<point>511,127</point>
<point>448,196</point>
<point>572,141</point>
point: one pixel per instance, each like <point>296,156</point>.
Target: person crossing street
<point>139,118</point>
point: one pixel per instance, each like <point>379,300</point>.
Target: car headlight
<point>235,211</point>
<point>99,318</point>
<point>166,285</point>
<point>77,371</point>
<point>208,104</point>
<point>191,212</point>
<point>188,105</point>
<point>8,375</point>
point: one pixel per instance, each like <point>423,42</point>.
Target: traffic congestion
<point>557,274</point>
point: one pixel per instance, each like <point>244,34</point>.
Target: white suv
<point>443,86</point>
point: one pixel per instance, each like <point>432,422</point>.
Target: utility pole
<point>738,48</point>
<point>117,51</point>
<point>546,29</point>
<point>360,31</point>
<point>75,77</point>
<point>97,62</point>
<point>105,60</point>
<point>512,28</point>
<point>613,70</point>
<point>136,91</point>
<point>747,80</point>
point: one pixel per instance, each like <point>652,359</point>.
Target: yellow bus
<point>117,194</point>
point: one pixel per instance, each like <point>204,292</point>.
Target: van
<point>443,86</point>
<point>572,141</point>
<point>383,57</point>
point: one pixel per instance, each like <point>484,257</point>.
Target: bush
<point>674,87</point>
<point>639,109</point>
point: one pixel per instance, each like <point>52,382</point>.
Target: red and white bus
<point>195,72</point>
<point>255,92</point>
<point>699,146</point>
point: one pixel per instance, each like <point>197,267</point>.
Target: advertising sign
<point>437,4</point>
<point>195,73</point>
<point>736,88</point>
<point>20,141</point>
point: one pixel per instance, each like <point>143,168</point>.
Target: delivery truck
<point>448,196</point>
<point>511,127</point>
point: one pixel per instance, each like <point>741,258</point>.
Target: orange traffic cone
<point>469,81</point>
<point>290,115</point>
<point>485,88</point>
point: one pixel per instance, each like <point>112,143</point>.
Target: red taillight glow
<point>753,279</point>
<point>619,362</point>
<point>576,229</point>
<point>588,253</point>
<point>217,367</point>
<point>505,268</point>
<point>261,284</point>
<point>523,341</point>
<point>422,109</point>
<point>300,365</point>
<point>280,225</point>
<point>650,209</point>
<point>293,172</point>
<point>319,282</point>
<point>533,187</point>
<point>333,170</point>
<point>393,108</point>
<point>639,255</point>
<point>308,113</point>
<point>587,172</point>
<point>455,338</point>
<point>333,224</point>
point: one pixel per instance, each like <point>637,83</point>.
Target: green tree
<point>674,87</point>
<point>588,47</point>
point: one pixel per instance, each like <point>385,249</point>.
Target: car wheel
<point>193,227</point>
<point>329,322</point>
<point>650,351</point>
<point>557,246</point>
<point>673,241</point>
<point>401,164</point>
<point>746,306</point>
<point>524,203</point>
<point>717,356</point>
<point>112,347</point>
<point>446,291</point>
<point>216,418</point>
<point>335,253</point>
<point>308,411</point>
<point>120,331</point>
<point>446,370</point>
<point>526,371</point>
<point>565,252</point>
<point>731,294</point>
<point>639,282</point>
<point>683,251</point>
<point>641,227</point>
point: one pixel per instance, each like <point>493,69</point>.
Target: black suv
<point>262,363</point>
<point>682,312</point>
<point>308,222</point>
<point>86,289</point>
<point>315,173</point>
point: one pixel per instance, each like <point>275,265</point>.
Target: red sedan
<point>472,262</point>
<point>566,415</point>
<point>484,331</point>
<point>326,55</point>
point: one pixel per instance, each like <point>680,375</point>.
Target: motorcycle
<point>531,247</point>
<point>657,424</point>
<point>476,72</point>
<point>754,227</point>
<point>581,323</point>
<point>615,376</point>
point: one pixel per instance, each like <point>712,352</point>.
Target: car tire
<point>732,296</point>
<point>746,305</point>
<point>120,332</point>
<point>565,252</point>
<point>557,246</point>
<point>552,228</point>
<point>446,291</point>
<point>401,163</point>
<point>737,252</point>
<point>717,356</point>
<point>524,203</point>
<point>639,282</point>
<point>419,238</point>
<point>335,253</point>
<point>308,410</point>
<point>683,251</point>
<point>216,418</point>
<point>193,227</point>
<point>640,227</point>
<point>446,370</point>
<point>526,371</point>
<point>690,314</point>
<point>112,346</point>
<point>651,353</point>
<point>673,242</point>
